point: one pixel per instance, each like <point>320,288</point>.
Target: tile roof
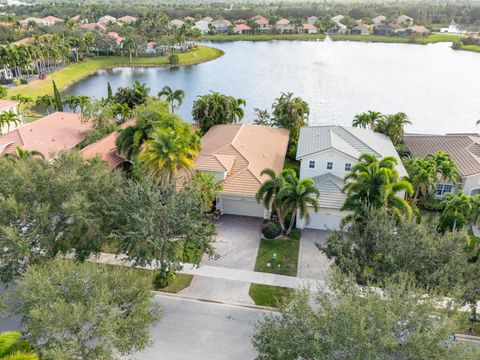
<point>331,194</point>
<point>283,22</point>
<point>262,21</point>
<point>348,140</point>
<point>49,135</point>
<point>127,19</point>
<point>463,148</point>
<point>52,18</point>
<point>23,41</point>
<point>7,103</point>
<point>242,151</point>
<point>309,26</point>
<point>106,149</point>
<point>242,27</point>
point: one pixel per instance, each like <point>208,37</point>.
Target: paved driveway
<point>312,263</point>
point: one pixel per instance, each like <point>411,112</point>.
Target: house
<point>339,28</point>
<point>326,155</point>
<point>107,150</point>
<point>452,28</point>
<point>312,20</point>
<point>242,29</point>
<point>337,18</point>
<point>464,150</point>
<point>259,17</point>
<point>362,29</point>
<point>203,26</point>
<point>263,25</point>
<point>151,47</point>
<point>189,19</point>
<point>405,20</point>
<point>379,20</point>
<point>307,29</point>
<point>94,26</point>
<point>49,135</point>
<point>176,23</point>
<point>418,30</point>
<point>239,21</point>
<point>52,20</point>
<point>118,39</point>
<point>106,20</point>
<point>9,105</point>
<point>236,155</point>
<point>208,19</point>
<point>398,30</point>
<point>76,18</point>
<point>283,26</point>
<point>127,19</point>
<point>38,21</point>
<point>222,26</point>
<point>383,30</point>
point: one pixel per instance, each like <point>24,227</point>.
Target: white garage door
<point>243,207</point>
<point>324,221</point>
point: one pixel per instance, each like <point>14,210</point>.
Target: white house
<point>263,24</point>
<point>283,26</point>
<point>464,150</point>
<point>203,26</point>
<point>326,155</point>
<point>222,26</point>
<point>452,28</point>
<point>236,155</point>
<point>312,20</point>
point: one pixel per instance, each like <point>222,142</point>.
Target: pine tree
<point>109,91</point>
<point>58,98</point>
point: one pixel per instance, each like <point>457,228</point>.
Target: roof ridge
<point>356,137</point>
<point>242,126</point>
<point>20,135</point>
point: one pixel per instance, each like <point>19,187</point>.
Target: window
<point>329,165</point>
<point>348,167</point>
<point>442,189</point>
<point>311,164</point>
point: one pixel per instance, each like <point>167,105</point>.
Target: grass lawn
<point>474,48</point>
<point>263,37</point>
<point>77,71</point>
<point>287,257</point>
<point>267,295</point>
<point>433,38</point>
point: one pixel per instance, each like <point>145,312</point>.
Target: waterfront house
<point>312,20</point>
<point>239,21</point>
<point>151,47</point>
<point>283,26</point>
<point>452,28</point>
<point>378,20</point>
<point>405,20</point>
<point>236,155</point>
<point>222,26</point>
<point>326,155</point>
<point>383,30</point>
<point>208,19</point>
<point>338,28</point>
<point>307,29</point>
<point>203,26</point>
<point>464,150</point>
<point>398,30</point>
<point>176,23</point>
<point>49,135</point>
<point>242,29</point>
<point>263,25</point>
<point>127,19</point>
<point>362,29</point>
<point>118,39</point>
<point>337,18</point>
<point>418,30</point>
<point>52,20</point>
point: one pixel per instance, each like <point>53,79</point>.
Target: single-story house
<point>464,150</point>
<point>49,135</point>
<point>242,29</point>
<point>176,23</point>
<point>9,105</point>
<point>399,30</point>
<point>127,19</point>
<point>378,20</point>
<point>106,149</point>
<point>339,28</point>
<point>24,41</point>
<point>151,47</point>
<point>307,29</point>
<point>418,29</point>
<point>312,20</point>
<point>283,26</point>
<point>362,29</point>
<point>94,26</point>
<point>326,155</point>
<point>222,26</point>
<point>52,20</point>
<point>236,155</point>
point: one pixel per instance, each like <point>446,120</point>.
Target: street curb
<point>219,302</point>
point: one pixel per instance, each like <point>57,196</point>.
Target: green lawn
<point>181,282</point>
<point>433,38</point>
<point>267,295</point>
<point>474,48</point>
<point>287,257</point>
<point>262,37</point>
<point>77,71</point>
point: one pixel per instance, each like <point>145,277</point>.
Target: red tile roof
<point>309,26</point>
<point>7,103</point>
<point>242,27</point>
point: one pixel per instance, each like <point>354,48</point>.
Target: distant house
<point>203,26</point>
<point>362,29</point>
<point>337,18</point>
<point>339,28</point>
<point>326,155</point>
<point>307,29</point>
<point>452,28</point>
<point>312,20</point>
<point>107,150</point>
<point>36,20</point>
<point>189,18</point>
<point>242,29</point>
<point>106,20</point>
<point>176,23</point>
<point>76,18</point>
<point>49,135</point>
<point>399,30</point>
<point>259,17</point>
<point>263,24</point>
<point>418,30</point>
<point>127,19</point>
<point>151,47</point>
<point>236,155</point>
<point>118,39</point>
<point>283,26</point>
<point>208,19</point>
<point>405,20</point>
<point>222,26</point>
<point>464,150</point>
<point>52,20</point>
<point>383,30</point>
<point>239,21</point>
<point>94,26</point>
<point>9,105</point>
<point>379,20</point>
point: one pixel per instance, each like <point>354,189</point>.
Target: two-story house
<point>284,26</point>
<point>327,154</point>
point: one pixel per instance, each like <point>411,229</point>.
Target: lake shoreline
<point>76,72</point>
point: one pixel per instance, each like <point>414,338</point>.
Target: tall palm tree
<point>446,167</point>
<point>296,196</point>
<point>129,45</point>
<point>13,347</point>
<point>375,183</point>
<point>393,126</point>
<point>366,120</point>
<point>290,113</point>
<point>422,173</point>
<point>169,150</point>
<point>459,207</point>
<point>172,96</point>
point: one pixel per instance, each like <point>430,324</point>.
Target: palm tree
<point>446,167</point>
<point>393,126</point>
<point>8,118</point>
<point>208,188</point>
<point>169,150</point>
<point>73,102</point>
<point>422,173</point>
<point>290,113</point>
<point>374,184</point>
<point>296,196</point>
<point>129,45</point>
<point>172,96</point>
<point>25,154</point>
<point>366,120</point>
<point>13,347</point>
<point>458,207</point>
<point>46,101</point>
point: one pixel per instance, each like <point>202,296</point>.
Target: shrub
<point>296,234</point>
<point>457,45</point>
<point>271,230</point>
<point>23,81</point>
<point>173,59</point>
<point>162,280</point>
<point>42,76</point>
<point>16,82</point>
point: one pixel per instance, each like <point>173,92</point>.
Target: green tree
<point>263,117</point>
<point>73,101</point>
<point>13,347</point>
<point>109,91</point>
<point>7,118</point>
<point>3,92</point>
<point>85,311</point>
<point>165,224</point>
<point>422,173</point>
<point>57,97</point>
<point>45,101</point>
<point>172,96</point>
<point>457,211</point>
<point>366,120</point>
<point>207,187</point>
<point>446,167</point>
<point>349,323</point>
<point>375,183</point>
<point>215,108</point>
<point>24,154</point>
<point>134,96</point>
<point>393,126</point>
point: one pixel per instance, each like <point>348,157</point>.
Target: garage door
<point>243,207</point>
<point>324,221</point>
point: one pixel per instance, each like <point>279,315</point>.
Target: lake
<point>438,88</point>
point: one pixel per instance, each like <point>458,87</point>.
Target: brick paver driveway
<point>312,263</point>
